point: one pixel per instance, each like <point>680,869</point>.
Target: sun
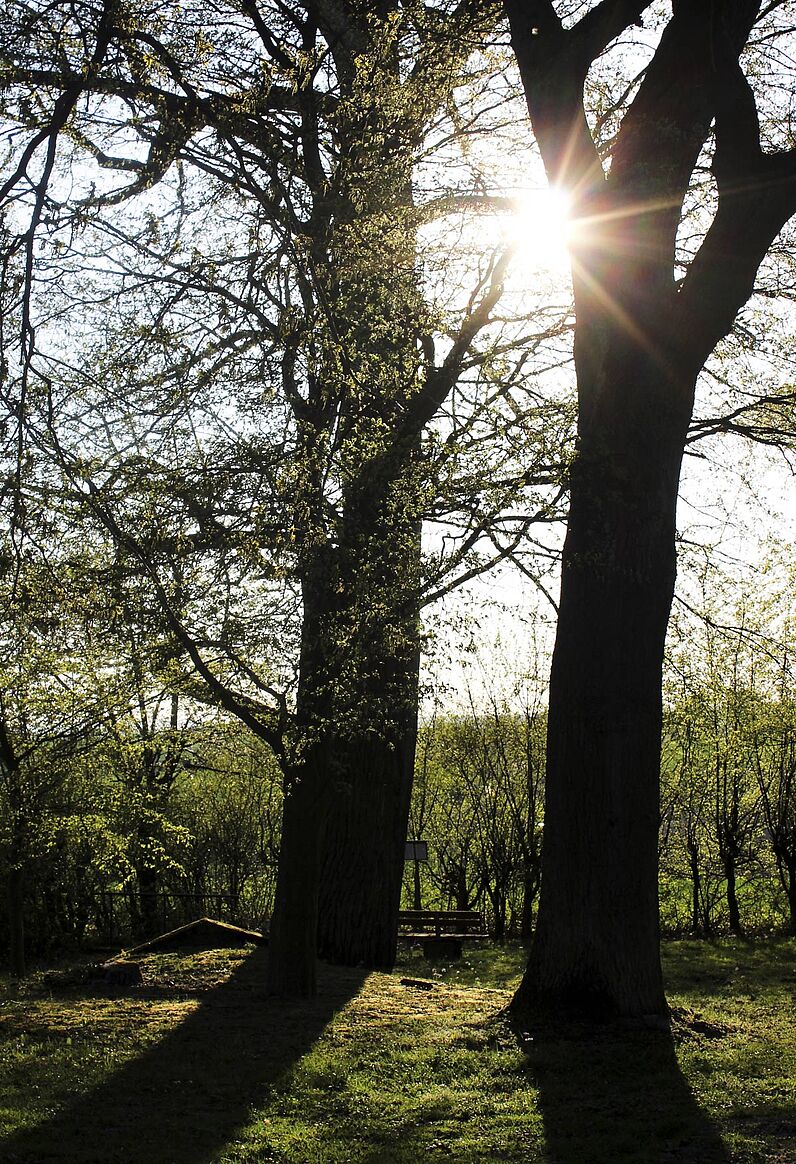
<point>539,227</point>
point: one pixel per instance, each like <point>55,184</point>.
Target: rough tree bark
<point>372,762</point>
<point>291,958</point>
<point>597,926</point>
<point>641,340</point>
<point>363,854</point>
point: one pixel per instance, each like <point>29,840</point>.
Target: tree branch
<point>553,69</point>
<point>440,381</point>
<point>757,196</point>
<point>608,20</point>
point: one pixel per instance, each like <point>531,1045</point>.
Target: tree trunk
<point>499,912</point>
<point>696,886</point>
<point>291,956</point>
<point>529,890</point>
<point>365,825</point>
<point>292,950</point>
<point>344,825</point>
<point>595,950</point>
<point>16,921</point>
<point>363,842</point>
<point>732,899</point>
<point>462,888</point>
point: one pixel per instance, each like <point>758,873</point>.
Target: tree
<point>774,745</point>
<point>443,814</point>
<point>147,750</point>
<point>648,315</point>
<point>497,753</point>
<point>294,134</point>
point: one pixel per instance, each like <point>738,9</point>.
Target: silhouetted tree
<point>648,316</point>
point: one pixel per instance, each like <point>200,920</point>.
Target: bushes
<point>208,841</point>
<point>478,802</point>
<point>728,811</point>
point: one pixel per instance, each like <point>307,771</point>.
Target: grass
<point>198,1066</point>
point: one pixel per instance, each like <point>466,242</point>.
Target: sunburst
<point>539,227</point>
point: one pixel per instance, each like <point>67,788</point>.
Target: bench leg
<point>442,947</point>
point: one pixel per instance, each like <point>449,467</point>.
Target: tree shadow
<point>192,1091</point>
<point>611,1096</point>
<point>604,1097</point>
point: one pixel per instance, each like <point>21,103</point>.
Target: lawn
<point>198,1066</point>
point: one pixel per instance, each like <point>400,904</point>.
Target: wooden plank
<point>452,923</point>
<point>205,933</point>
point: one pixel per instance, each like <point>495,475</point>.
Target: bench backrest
<point>464,918</point>
<point>432,913</point>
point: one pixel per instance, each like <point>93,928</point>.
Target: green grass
<point>200,1067</point>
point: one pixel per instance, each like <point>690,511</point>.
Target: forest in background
<point>153,811</point>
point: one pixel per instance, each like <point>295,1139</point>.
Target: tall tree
<point>269,239</point>
<point>647,318</point>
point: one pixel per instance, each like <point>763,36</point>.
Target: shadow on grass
<point>618,1097</point>
<point>724,966</point>
<point>185,1098</point>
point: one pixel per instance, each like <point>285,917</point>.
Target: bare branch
<point>440,381</point>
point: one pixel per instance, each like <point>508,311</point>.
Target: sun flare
<point>539,226</point>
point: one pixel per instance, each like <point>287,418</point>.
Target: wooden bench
<point>441,931</point>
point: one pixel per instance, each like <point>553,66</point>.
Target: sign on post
<point>416,851</point>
